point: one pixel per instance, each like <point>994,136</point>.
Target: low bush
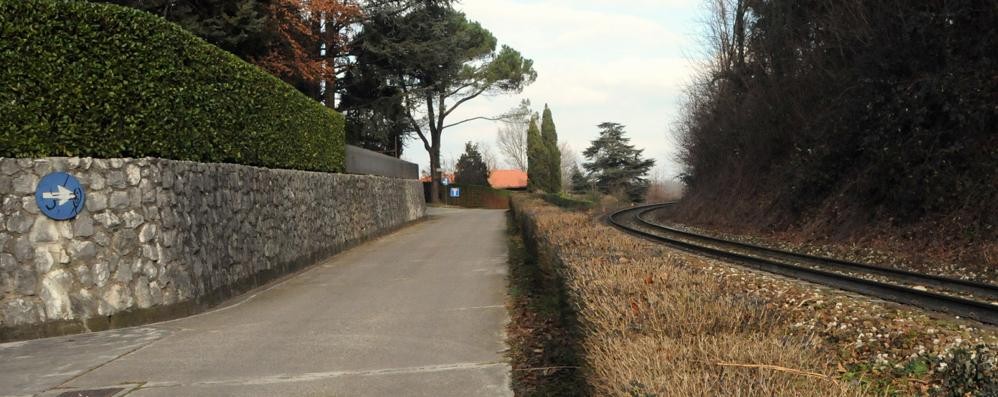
<point>86,79</point>
<point>568,202</point>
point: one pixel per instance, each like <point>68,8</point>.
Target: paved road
<point>417,313</point>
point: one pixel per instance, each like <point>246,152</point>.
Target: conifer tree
<point>615,165</point>
<point>552,164</point>
<point>580,184</point>
<point>536,162</point>
<point>471,168</point>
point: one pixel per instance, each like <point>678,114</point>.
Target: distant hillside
<point>849,120</point>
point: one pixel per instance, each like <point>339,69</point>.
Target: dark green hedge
<point>86,79</point>
<point>568,202</point>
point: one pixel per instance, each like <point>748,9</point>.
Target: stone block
<point>125,242</point>
<point>42,167</point>
<point>30,205</point>
<point>55,294</point>
<point>7,263</point>
<point>150,270</point>
<point>96,201</point>
<point>156,293</point>
<point>8,166</point>
<point>23,249</point>
<point>148,192</point>
<point>46,230</point>
<point>101,273</point>
<point>148,233</point>
<point>95,182</point>
<point>82,250</point>
<point>134,198</point>
<point>84,303</point>
<point>83,225</point>
<point>119,200</point>
<point>85,275</point>
<point>132,219</point>
<point>25,184</point>
<point>44,260</point>
<point>6,183</point>
<point>133,174</point>
<point>116,179</point>
<point>123,273</point>
<point>25,280</point>
<point>102,239</point>
<point>116,298</point>
<point>11,204</point>
<point>21,311</point>
<point>20,222</point>
<point>143,296</point>
<point>107,219</point>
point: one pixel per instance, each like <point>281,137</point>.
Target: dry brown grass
<point>654,325</point>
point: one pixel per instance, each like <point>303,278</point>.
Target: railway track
<point>949,295</point>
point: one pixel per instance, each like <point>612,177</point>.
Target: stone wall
<point>161,238</point>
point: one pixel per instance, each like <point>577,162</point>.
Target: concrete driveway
<point>417,313</point>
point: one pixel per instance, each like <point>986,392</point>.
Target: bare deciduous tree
<point>569,159</point>
<point>511,139</point>
<point>512,143</point>
<point>488,155</point>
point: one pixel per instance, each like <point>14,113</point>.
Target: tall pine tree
<point>615,165</point>
<point>552,182</point>
<point>536,157</point>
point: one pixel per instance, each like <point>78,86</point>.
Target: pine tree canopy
<point>615,165</point>
<point>471,168</point>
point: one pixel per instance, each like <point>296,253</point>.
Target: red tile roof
<point>508,179</point>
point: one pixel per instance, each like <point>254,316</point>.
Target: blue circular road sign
<point>60,196</point>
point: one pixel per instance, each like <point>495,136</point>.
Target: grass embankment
<point>656,322</point>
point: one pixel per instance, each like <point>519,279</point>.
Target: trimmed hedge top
<point>87,79</point>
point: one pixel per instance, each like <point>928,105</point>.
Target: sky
<point>625,61</point>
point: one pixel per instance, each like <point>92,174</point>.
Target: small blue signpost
<point>455,192</point>
<point>60,196</point>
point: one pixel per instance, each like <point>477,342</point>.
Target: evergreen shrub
<point>99,80</point>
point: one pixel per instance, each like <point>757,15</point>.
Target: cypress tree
<point>552,182</point>
<point>536,162</point>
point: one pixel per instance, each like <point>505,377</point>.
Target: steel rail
<point>982,311</point>
<point>989,291</point>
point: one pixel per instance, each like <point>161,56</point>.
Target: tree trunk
<point>435,173</point>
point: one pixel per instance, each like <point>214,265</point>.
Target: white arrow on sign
<point>63,195</point>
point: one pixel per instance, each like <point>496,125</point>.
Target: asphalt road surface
<point>416,313</point>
